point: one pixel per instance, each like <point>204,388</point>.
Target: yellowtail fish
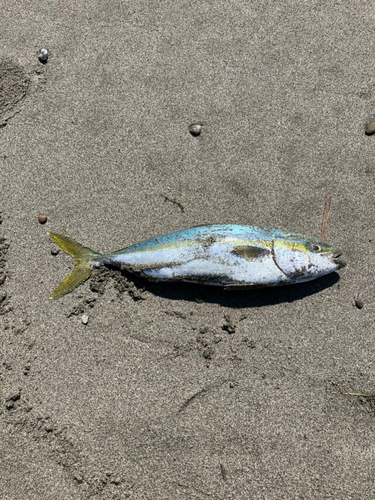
<point>230,256</point>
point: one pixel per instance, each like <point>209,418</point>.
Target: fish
<point>230,256</point>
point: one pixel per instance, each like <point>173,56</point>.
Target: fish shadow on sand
<point>237,299</point>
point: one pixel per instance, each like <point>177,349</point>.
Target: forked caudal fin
<point>82,258</point>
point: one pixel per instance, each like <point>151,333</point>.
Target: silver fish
<point>230,256</point>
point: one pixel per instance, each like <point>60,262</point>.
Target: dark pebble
<point>359,303</point>
<point>195,130</point>
<point>43,55</point>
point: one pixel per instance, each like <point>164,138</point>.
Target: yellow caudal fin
<point>82,258</point>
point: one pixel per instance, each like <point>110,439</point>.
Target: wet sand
<point>181,391</point>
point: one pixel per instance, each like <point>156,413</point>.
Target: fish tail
<point>83,257</point>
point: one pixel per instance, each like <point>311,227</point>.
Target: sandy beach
<point>180,391</point>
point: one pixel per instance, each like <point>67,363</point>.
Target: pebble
<point>42,219</point>
<point>85,319</point>
<point>43,55</point>
<point>195,130</point>
<point>359,303</point>
<point>370,129</point>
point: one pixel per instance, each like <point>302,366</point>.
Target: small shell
<point>370,129</point>
<point>195,130</point>
<point>42,219</point>
<point>43,55</point>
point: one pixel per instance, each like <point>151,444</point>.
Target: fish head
<point>304,259</point>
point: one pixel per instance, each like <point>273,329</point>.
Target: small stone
<point>15,396</point>
<point>208,353</point>
<point>85,319</point>
<point>370,129</point>
<point>195,130</point>
<point>42,219</point>
<point>12,398</point>
<point>204,330</point>
<point>249,342</point>
<point>358,303</point>
<point>55,251</point>
<point>43,55</point>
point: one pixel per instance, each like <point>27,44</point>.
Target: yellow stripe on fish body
<point>222,255</point>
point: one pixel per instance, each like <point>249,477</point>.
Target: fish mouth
<point>340,263</point>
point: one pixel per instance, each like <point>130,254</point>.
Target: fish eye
<point>315,247</point>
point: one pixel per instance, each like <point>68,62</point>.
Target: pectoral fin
<point>250,252</point>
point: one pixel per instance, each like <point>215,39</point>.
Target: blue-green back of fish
<point>198,234</point>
